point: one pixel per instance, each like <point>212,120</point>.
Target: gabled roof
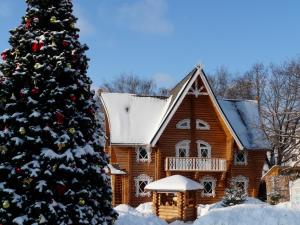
<point>175,183</point>
<point>140,120</point>
<point>244,118</point>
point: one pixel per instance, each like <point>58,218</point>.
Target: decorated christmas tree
<point>51,158</point>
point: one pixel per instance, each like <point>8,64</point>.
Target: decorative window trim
<point>239,163</point>
<point>207,146</point>
<point>137,180</point>
<point>148,149</point>
<point>205,127</point>
<point>183,144</point>
<point>213,188</point>
<point>180,124</point>
<point>241,178</point>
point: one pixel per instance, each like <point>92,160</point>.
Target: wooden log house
<point>190,133</point>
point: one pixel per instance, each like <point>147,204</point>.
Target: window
<point>209,186</point>
<point>202,125</point>
<point>183,148</point>
<point>204,149</point>
<point>143,154</point>
<point>240,182</point>
<point>140,183</point>
<point>240,158</point>
<point>184,124</point>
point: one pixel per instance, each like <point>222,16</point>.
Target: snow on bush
<point>233,196</point>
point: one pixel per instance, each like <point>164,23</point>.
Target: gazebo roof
<point>175,183</point>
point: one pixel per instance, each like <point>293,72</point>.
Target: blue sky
<point>164,39</point>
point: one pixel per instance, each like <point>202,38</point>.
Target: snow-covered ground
<point>252,212</point>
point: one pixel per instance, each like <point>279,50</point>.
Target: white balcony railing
<point>194,164</point>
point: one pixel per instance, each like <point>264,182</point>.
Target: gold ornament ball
<point>37,66</point>
<point>53,19</point>
<point>81,201</point>
<point>27,181</point>
<point>22,130</point>
<point>72,130</point>
<point>69,65</point>
<point>54,168</point>
<point>61,146</point>
<point>3,149</point>
<point>6,204</point>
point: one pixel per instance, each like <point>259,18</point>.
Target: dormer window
<point>143,154</point>
<point>202,125</point>
<point>183,148</point>
<point>240,158</point>
<point>204,149</point>
<point>184,124</point>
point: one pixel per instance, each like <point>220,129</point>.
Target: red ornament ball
<point>60,118</point>
<point>73,98</point>
<point>4,55</point>
<point>28,24</point>
<point>61,189</point>
<point>66,43</point>
<point>36,46</point>
<point>91,110</point>
<point>18,170</point>
<point>35,90</point>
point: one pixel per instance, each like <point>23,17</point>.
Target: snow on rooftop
<point>174,183</point>
<point>114,170</point>
<point>133,119</point>
<point>244,118</point>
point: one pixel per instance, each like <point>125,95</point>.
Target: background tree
<point>51,158</point>
<point>277,90</point>
<point>129,83</point>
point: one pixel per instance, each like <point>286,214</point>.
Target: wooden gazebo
<point>174,198</point>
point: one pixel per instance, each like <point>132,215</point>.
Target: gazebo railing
<point>195,164</point>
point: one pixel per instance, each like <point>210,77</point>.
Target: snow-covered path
<point>252,212</point>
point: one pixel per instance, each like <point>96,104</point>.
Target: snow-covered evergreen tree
<point>233,195</point>
<point>51,159</point>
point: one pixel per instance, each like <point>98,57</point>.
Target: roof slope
<point>244,119</point>
<point>133,119</point>
<point>174,183</point>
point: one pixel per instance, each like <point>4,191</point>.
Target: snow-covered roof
<point>133,119</point>
<point>174,183</point>
<point>113,170</point>
<point>244,119</point>
<point>140,120</point>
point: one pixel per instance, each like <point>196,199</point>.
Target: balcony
<point>195,164</point>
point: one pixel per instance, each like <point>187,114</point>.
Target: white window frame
<point>207,147</point>
<point>183,144</point>
<point>239,163</point>
<point>213,187</point>
<point>148,150</point>
<point>180,125</point>
<point>206,125</point>
<point>241,178</point>
<point>137,180</point>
